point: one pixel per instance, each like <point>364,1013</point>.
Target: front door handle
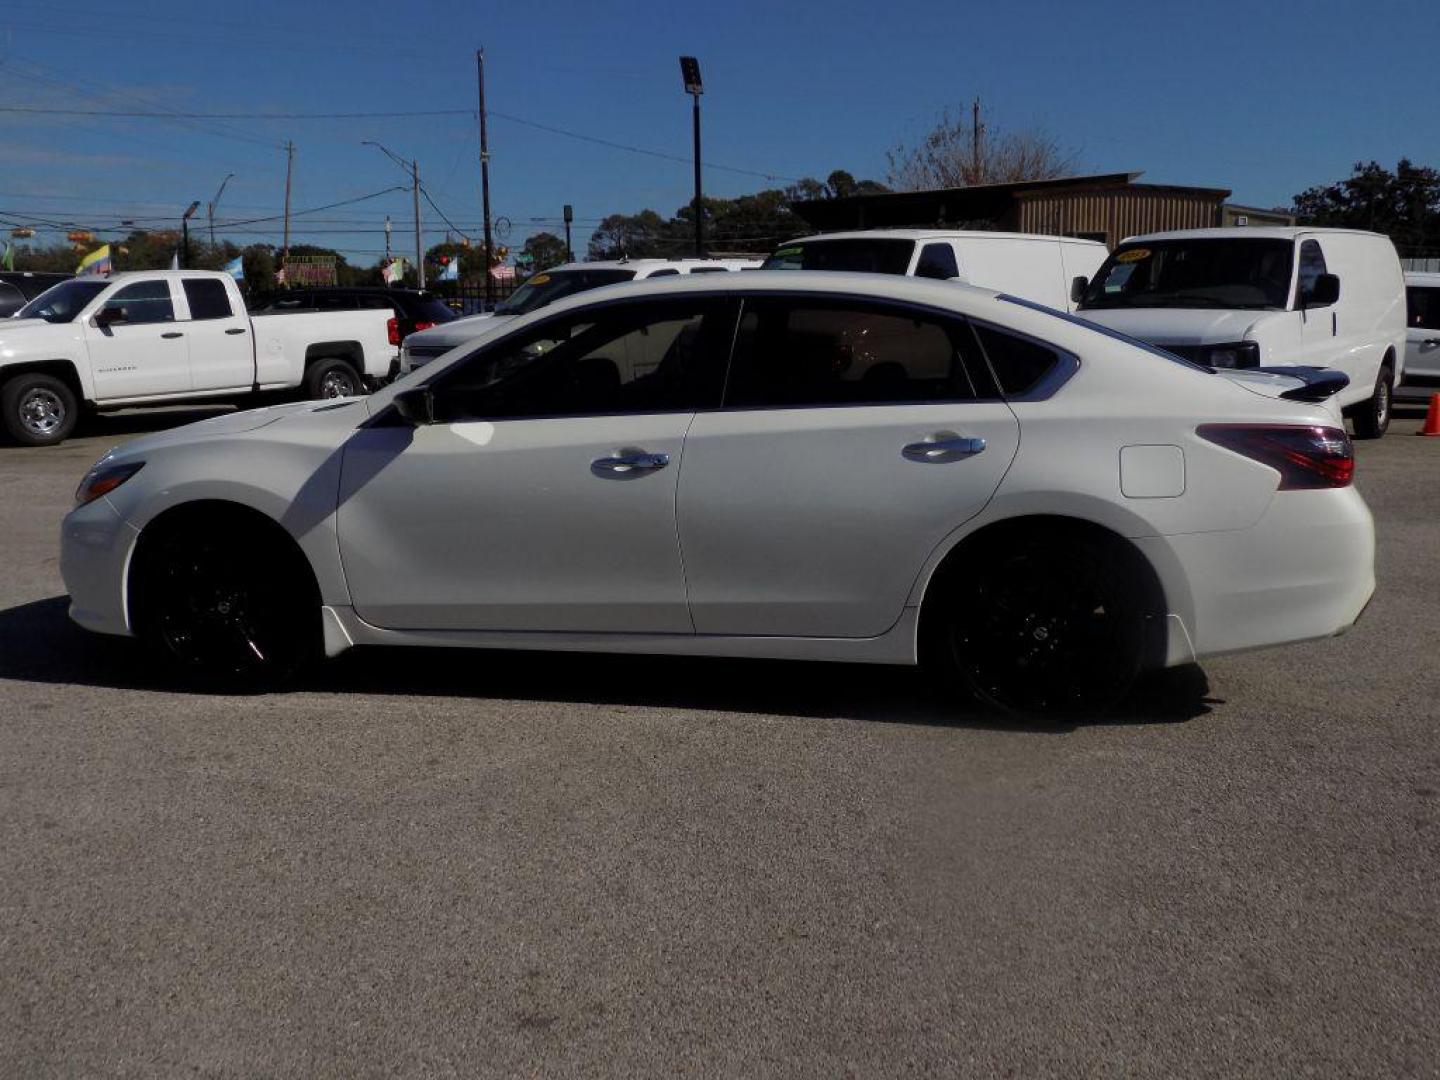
<point>628,463</point>
<point>942,447</point>
<point>236,330</point>
<point>172,334</point>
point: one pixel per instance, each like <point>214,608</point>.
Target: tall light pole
<point>569,217</point>
<point>690,72</point>
<point>185,233</point>
<point>413,168</point>
<point>485,180</point>
<point>210,210</point>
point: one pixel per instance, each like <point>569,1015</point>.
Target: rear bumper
<point>1306,570</point>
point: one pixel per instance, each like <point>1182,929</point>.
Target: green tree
<point>544,251</point>
<point>1404,204</point>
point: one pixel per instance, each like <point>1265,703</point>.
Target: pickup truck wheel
<point>39,409</point>
<point>1372,416</point>
<point>333,378</point>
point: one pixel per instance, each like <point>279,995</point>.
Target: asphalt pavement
<point>471,864</point>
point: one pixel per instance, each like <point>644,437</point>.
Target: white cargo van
<point>1266,297</point>
<point>1422,333</point>
<point>1044,269</point>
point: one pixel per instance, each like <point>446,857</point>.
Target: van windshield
<point>878,256</point>
<point>61,303</point>
<point>546,288</point>
<point>1194,273</point>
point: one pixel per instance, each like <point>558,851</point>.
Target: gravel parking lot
<point>472,864</point>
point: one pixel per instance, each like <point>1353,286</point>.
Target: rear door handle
<point>236,330</point>
<point>942,447</point>
<point>627,463</point>
<point>172,334</point>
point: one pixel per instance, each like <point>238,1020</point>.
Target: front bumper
<point>95,549</point>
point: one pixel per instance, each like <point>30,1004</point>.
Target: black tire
<point>228,603</point>
<point>1371,417</point>
<point>1044,623</point>
<point>39,409</point>
<point>332,378</point>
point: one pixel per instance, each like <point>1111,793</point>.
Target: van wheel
<point>332,378</point>
<point>39,409</point>
<point>1372,417</point>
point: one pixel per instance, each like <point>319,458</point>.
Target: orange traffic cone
<point>1432,418</point>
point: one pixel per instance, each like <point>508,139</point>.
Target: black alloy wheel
<point>1047,626</point>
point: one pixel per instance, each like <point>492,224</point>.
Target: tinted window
<point>1312,265</point>
<point>208,298</point>
<point>792,354</point>
<point>66,300</point>
<point>937,261</point>
<point>1019,362</point>
<point>11,299</point>
<point>880,256</point>
<point>1211,272</point>
<point>546,288</point>
<point>1423,306</point>
<point>652,357</point>
<point>665,273</point>
<point>144,302</point>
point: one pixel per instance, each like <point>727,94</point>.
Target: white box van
<point>1422,333</point>
<point>1043,269</point>
<point>1266,297</point>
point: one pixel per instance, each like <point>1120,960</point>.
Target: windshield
<point>1201,273</point>
<point>878,256</point>
<point>545,289</point>
<point>61,303</point>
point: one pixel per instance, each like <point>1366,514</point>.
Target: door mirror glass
<point>415,407</point>
<point>1078,285</point>
<point>1324,292</point>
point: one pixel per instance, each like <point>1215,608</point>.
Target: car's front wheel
<point>1044,623</point>
<point>228,602</point>
<point>38,409</point>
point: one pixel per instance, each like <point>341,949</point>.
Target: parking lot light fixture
<point>690,73</point>
<point>185,234</point>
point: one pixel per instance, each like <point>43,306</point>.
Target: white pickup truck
<point>166,336</point>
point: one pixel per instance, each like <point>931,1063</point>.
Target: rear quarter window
<point>1020,364</point>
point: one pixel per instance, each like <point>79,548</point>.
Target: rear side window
<point>937,261</point>
<point>1020,363</point>
<point>208,298</point>
<point>801,353</point>
<point>1423,306</point>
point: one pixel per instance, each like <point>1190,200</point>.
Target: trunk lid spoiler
<point>1311,384</point>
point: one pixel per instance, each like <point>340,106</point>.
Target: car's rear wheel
<point>39,409</point>
<point>1372,416</point>
<point>226,602</point>
<point>1044,623</point>
<point>332,378</point>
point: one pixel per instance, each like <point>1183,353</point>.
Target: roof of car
<point>1246,232</point>
<point>937,234</point>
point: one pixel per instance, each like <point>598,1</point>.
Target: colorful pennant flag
<point>97,262</point>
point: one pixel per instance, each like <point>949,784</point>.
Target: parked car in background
<point>19,287</point>
<point>164,336</point>
<point>1044,269</point>
<point>856,468</point>
<point>1266,297</point>
<point>550,285</point>
<point>1422,334</point>
<point>412,310</point>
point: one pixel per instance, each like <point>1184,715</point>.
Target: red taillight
<point>1305,457</point>
<point>421,324</point>
<point>392,327</point>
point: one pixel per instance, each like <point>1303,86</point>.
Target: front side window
<point>625,358</point>
<point>1423,307</point>
<point>207,298</point>
<point>805,353</point>
<point>61,303</point>
<point>144,302</point>
<point>1213,272</point>
<point>1312,265</point>
<point>937,261</point>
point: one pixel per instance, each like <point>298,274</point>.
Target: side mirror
<point>1078,285</point>
<point>109,316</point>
<point>1324,292</point>
<point>415,407</point>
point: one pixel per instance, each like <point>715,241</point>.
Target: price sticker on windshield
<point>539,279</point>
<point>1133,255</point>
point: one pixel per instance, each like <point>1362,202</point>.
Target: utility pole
<point>210,210</point>
<point>976,169</point>
<point>387,238</point>
<point>690,73</point>
<point>485,180</point>
<point>419,247</point>
<point>289,168</point>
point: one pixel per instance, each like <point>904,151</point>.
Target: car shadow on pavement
<point>39,643</point>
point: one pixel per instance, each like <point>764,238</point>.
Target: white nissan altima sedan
<point>809,466</point>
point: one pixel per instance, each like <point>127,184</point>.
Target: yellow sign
<point>539,279</point>
<point>1133,255</point>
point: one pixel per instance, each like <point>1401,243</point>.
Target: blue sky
<point>1265,99</point>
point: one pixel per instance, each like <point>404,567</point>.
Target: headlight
<point>103,479</point>
<point>1242,354</point>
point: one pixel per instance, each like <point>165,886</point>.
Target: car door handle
<point>628,463</point>
<point>172,334</point>
<point>236,330</point>
<point>942,447</point>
